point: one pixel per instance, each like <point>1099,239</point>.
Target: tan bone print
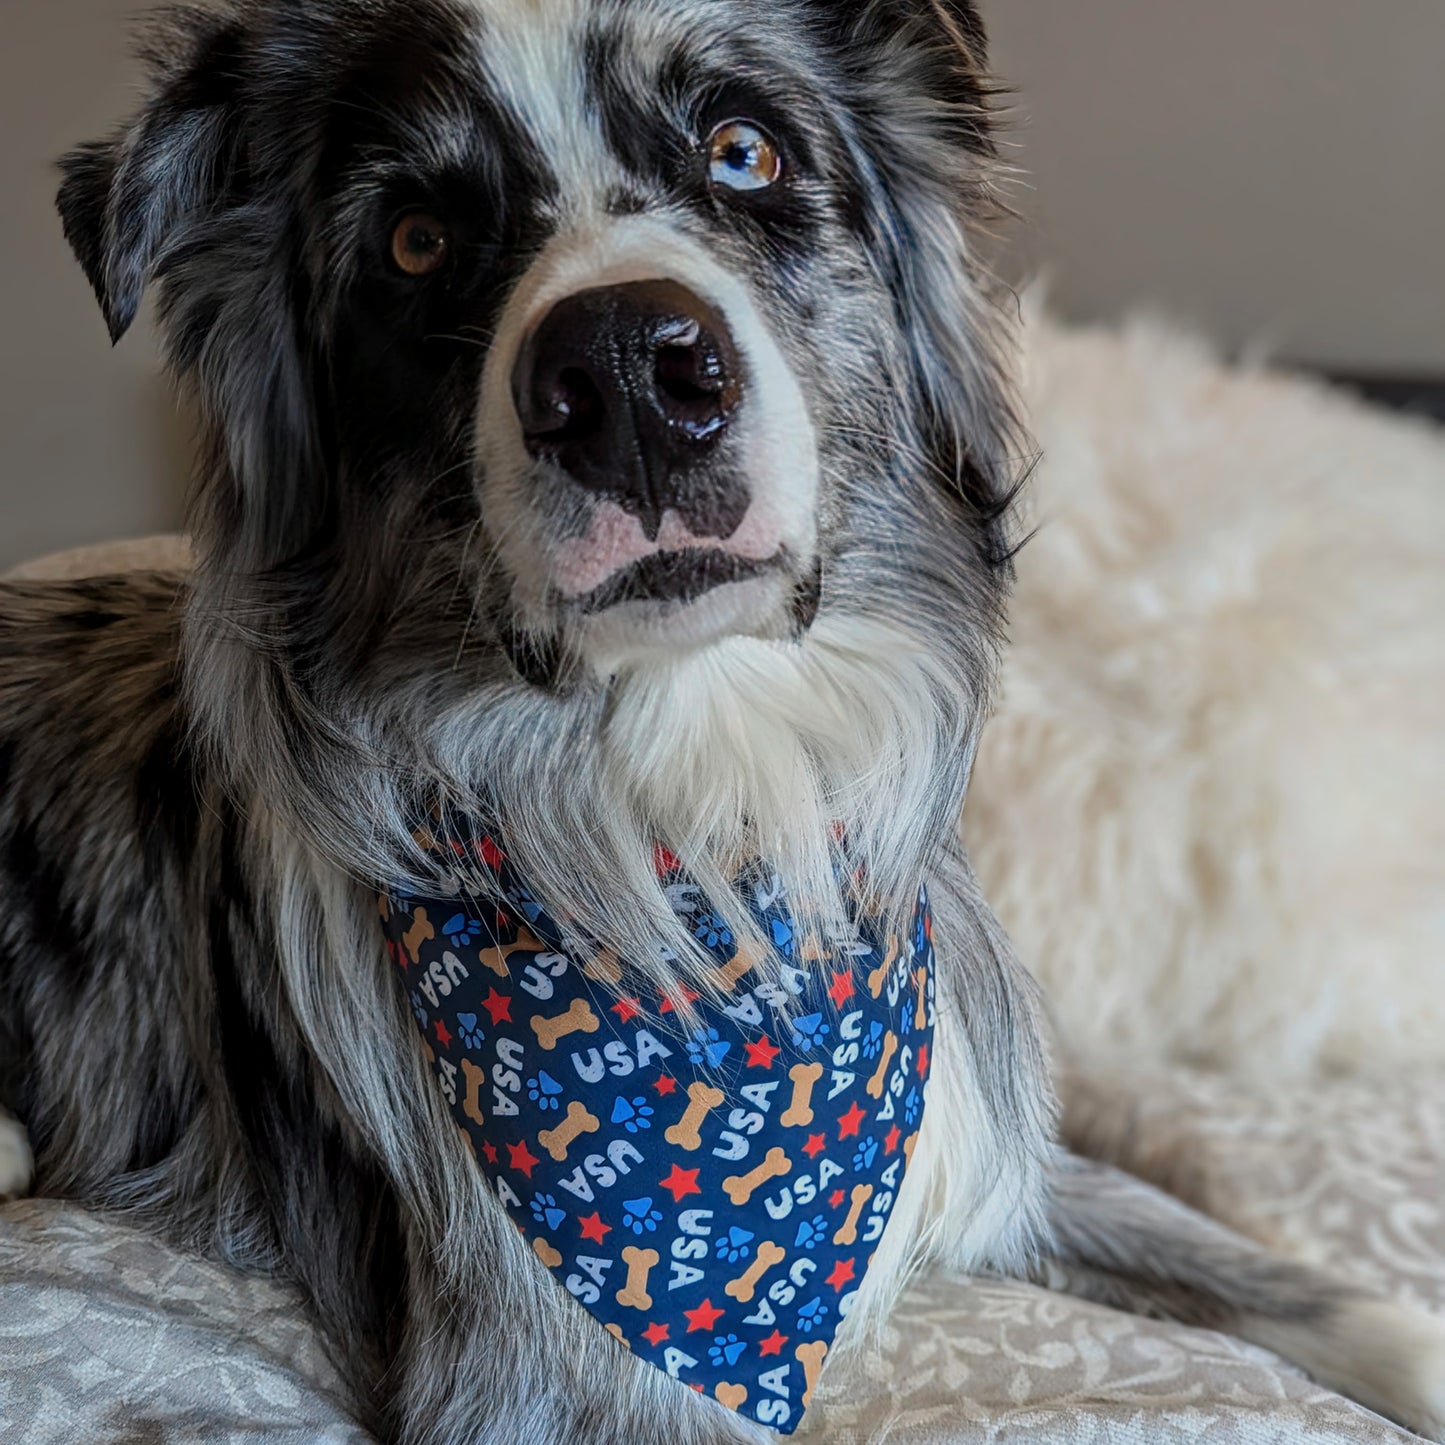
<point>745,1286</point>
<point>496,958</point>
<point>741,1187</point>
<point>640,1264</point>
<point>879,976</point>
<point>848,1234</point>
<point>475,1078</point>
<point>420,932</point>
<point>578,1122</point>
<point>799,1113</point>
<point>726,979</point>
<point>701,1100</point>
<point>811,1358</point>
<point>875,1084</point>
<point>579,1019</point>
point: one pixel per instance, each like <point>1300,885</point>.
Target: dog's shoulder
<point>91,664</point>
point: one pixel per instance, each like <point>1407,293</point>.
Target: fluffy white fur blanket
<point>1211,806</point>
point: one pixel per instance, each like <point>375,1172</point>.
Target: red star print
<point>523,1159</point>
<point>815,1145</point>
<point>593,1228</point>
<point>922,1061</point>
<point>849,1123</point>
<point>444,1035</point>
<point>655,1334</point>
<point>891,1138</point>
<point>490,1150</point>
<point>627,1009</point>
<point>680,1183</point>
<point>498,1005</point>
<point>504,921</point>
<point>664,861</point>
<point>842,1274</point>
<point>842,989</point>
<point>685,995</point>
<point>704,1317</point>
<point>836,1198</point>
<point>761,1054</point>
<point>397,956</point>
<point>773,1345</point>
<point>666,1084</point>
<point>492,856</point>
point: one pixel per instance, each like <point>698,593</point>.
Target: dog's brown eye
<point>743,158</point>
<point>420,244</point>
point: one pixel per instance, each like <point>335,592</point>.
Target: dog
<point>608,433</point>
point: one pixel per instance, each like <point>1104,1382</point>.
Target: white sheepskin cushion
<point>1211,807</point>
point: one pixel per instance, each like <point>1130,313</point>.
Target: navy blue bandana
<point>713,1188</point>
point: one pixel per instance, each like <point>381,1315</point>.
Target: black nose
<point>630,389</point>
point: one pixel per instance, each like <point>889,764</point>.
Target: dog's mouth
<point>680,577</point>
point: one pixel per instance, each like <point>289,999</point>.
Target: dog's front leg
<point>15,1161</point>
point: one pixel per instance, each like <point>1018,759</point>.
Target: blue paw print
<point>911,1105</point>
<point>712,932</point>
<point>632,1114</point>
<point>873,1044</point>
<point>639,1216</point>
<point>469,1031</point>
<point>812,1315</point>
<point>782,932</point>
<point>726,1350</point>
<point>736,1244</point>
<point>544,1091</point>
<point>461,931</point>
<point>545,1211</point>
<point>811,1232</point>
<point>526,902</point>
<point>418,1008</point>
<point>809,1031</point>
<point>706,1046</point>
<point>865,1154</point>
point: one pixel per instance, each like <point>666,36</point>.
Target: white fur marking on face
<point>531,50</point>
<point>778,451</point>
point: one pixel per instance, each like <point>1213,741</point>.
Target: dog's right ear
<point>124,200</point>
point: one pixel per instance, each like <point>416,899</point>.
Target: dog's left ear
<point>946,44</point>
<point>124,198</point>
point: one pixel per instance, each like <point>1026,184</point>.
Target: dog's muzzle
<point>631,390</point>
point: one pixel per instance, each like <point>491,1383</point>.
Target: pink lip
<point>616,540</point>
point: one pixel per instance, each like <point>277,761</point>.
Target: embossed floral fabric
<point>109,1336</point>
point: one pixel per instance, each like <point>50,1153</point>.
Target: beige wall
<point>1274,168</point>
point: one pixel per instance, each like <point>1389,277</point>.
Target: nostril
<point>689,374</point>
<point>565,406</point>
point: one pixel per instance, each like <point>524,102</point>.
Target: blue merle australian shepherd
<point>604,508</point>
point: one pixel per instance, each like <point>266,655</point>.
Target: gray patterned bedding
<point>107,1335</point>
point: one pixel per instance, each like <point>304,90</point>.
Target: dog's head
<point>555,347</point>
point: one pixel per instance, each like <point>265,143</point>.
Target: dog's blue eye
<point>743,158</point>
